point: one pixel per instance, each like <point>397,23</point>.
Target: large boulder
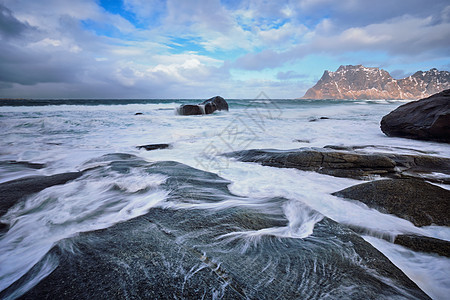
<point>204,108</point>
<point>415,200</point>
<point>425,119</point>
<point>215,103</point>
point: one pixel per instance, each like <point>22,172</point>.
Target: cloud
<point>10,27</point>
<point>403,36</point>
<point>289,75</point>
<point>169,48</point>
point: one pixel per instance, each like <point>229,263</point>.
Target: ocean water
<point>49,137</point>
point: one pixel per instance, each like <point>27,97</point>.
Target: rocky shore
<point>197,247</point>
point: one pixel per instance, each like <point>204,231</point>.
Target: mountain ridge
<point>359,82</point>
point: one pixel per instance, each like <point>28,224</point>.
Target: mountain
<point>359,82</point>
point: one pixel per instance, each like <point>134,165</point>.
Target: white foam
<point>59,212</point>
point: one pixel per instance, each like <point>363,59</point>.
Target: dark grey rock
<point>189,252</point>
<point>420,202</point>
<point>154,146</point>
<point>206,107</point>
<point>13,191</point>
<point>348,163</point>
<point>25,164</point>
<point>215,103</point>
<point>425,119</point>
<point>190,110</point>
<point>424,244</point>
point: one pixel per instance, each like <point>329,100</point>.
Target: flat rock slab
<point>420,202</point>
<point>424,244</point>
<point>349,163</point>
<point>154,146</point>
<point>202,244</point>
<point>425,119</point>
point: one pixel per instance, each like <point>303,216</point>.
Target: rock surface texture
<point>359,82</point>
<point>415,200</point>
<point>194,247</point>
<point>351,164</point>
<point>425,119</point>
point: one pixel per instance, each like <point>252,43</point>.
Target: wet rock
<point>13,191</point>
<point>424,244</point>
<point>215,103</point>
<point>348,163</point>
<point>301,141</point>
<point>25,164</point>
<point>206,107</point>
<point>189,110</point>
<point>415,200</point>
<point>425,119</point>
<point>190,251</point>
<point>340,164</point>
<point>154,146</point>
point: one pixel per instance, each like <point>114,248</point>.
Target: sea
<point>47,137</point>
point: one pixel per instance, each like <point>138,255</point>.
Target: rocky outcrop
<point>425,119</point>
<point>350,163</point>
<point>423,244</point>
<point>415,200</point>
<point>184,250</point>
<point>13,191</point>
<point>359,82</point>
<point>204,108</point>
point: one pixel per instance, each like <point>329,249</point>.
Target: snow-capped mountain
<point>359,82</point>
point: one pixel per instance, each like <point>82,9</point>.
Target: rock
<point>190,110</point>
<point>25,164</point>
<point>301,141</point>
<point>215,103</point>
<point>359,82</point>
<point>188,249</point>
<point>206,107</point>
<point>350,164</point>
<point>154,146</point>
<point>339,164</point>
<point>425,119</point>
<point>13,191</point>
<point>138,114</point>
<point>316,119</point>
<point>415,200</point>
<point>424,244</point>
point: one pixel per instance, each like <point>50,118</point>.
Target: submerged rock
<point>423,244</point>
<point>425,119</point>
<point>205,242</point>
<point>206,107</point>
<point>415,200</point>
<point>13,191</point>
<point>154,146</point>
<point>349,163</point>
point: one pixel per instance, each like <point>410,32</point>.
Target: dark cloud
<point>10,27</point>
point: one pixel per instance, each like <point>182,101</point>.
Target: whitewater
<point>50,137</point>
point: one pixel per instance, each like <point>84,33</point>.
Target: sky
<point>198,49</point>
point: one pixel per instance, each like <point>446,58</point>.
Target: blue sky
<point>198,49</point>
